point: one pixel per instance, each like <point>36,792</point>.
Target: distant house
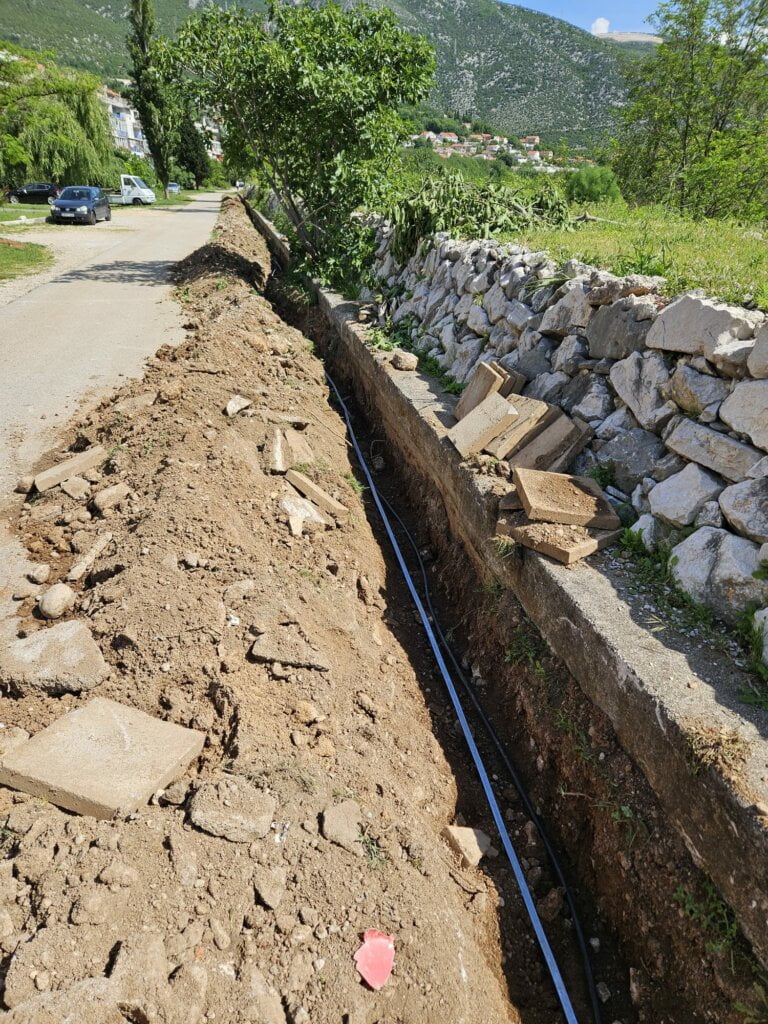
<point>124,123</point>
<point>429,136</point>
<point>448,137</point>
<point>530,141</point>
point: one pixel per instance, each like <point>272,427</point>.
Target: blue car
<point>81,203</point>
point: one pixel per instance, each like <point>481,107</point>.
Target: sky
<point>622,15</point>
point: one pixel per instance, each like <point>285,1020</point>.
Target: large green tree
<point>191,150</point>
<point>153,97</point>
<point>695,133</point>
<point>53,126</point>
<point>309,97</point>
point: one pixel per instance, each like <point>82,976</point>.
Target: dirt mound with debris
<point>218,602</point>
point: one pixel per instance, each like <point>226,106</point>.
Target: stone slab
<point>560,498</point>
<point>716,451</point>
<point>514,382</point>
<point>315,494</point>
<point>75,466</point>
<point>487,420</point>
<point>60,659</point>
<point>484,381</point>
<point>103,759</point>
<point>566,544</point>
<point>79,569</point>
<point>547,446</point>
<point>534,417</point>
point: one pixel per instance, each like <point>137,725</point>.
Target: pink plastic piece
<point>375,958</point>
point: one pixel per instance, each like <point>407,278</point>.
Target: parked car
<point>83,203</point>
<point>134,191</point>
<point>173,188</point>
<point>41,192</point>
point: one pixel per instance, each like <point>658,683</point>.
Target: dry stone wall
<point>676,392</point>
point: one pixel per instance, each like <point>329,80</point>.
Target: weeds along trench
<point>662,944</point>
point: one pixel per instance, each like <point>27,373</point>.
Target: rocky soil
<point>316,810</point>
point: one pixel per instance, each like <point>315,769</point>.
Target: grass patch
<point>22,258</point>
<point>726,259</point>
<point>720,748</point>
<point>15,212</point>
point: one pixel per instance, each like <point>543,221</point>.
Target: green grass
<point>177,200</point>
<point>726,259</point>
<point>14,212</point>
<point>25,260</point>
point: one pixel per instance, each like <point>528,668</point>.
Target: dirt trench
<point>155,920</point>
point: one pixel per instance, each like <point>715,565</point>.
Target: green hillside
<point>521,70</point>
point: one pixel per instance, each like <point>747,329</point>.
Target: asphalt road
<point>74,334</point>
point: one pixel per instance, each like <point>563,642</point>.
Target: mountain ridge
<point>521,70</point>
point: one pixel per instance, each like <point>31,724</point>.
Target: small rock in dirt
<point>341,824</point>
<point>236,404</point>
<point>603,991</point>
<point>110,498</point>
<point>234,810</point>
<point>269,886</point>
<point>262,1002</point>
<point>306,713</point>
<point>471,844</point>
<point>11,736</point>
<point>76,488</point>
<point>91,908</point>
<point>25,590</point>
<point>57,601</point>
<point>25,485</point>
<point>551,906</point>
<point>39,573</point>
<point>119,875</point>
<point>176,793</point>
<point>402,360</point>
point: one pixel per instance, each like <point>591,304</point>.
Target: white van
<point>133,192</point>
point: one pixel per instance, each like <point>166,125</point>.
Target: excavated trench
<point>663,947</point>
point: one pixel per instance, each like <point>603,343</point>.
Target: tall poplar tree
<point>153,97</point>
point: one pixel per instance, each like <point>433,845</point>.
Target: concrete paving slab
<point>566,544</point>
<point>535,416</point>
<point>103,759</point>
<point>70,467</point>
<point>315,494</point>
<point>489,419</point>
<point>560,498</point>
<point>484,381</point>
<point>60,659</point>
<point>547,446</point>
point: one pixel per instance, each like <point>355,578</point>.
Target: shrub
<point>591,184</point>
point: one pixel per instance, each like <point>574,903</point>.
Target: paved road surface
<point>80,331</point>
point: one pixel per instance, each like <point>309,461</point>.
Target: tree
<point>308,98</point>
<point>191,151</point>
<point>591,184</point>
<point>52,124</point>
<point>694,132</point>
<point>152,96</point>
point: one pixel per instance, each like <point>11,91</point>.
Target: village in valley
<point>526,151</point>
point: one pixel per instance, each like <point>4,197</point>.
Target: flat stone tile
<point>103,759</point>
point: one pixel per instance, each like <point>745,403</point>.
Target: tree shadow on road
<point>141,272</point>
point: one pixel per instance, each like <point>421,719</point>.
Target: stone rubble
<point>674,393</point>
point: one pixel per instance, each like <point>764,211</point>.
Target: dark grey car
<point>81,203</point>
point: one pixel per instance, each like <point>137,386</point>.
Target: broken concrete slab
<point>471,844</point>
<point>299,508</point>
<point>566,544</point>
<point>278,462</point>
<point>79,569</point>
<point>297,450</point>
<point>513,382</point>
<point>710,448</point>
<point>560,498</point>
<point>102,759</point>
<point>75,487</point>
<point>485,422</point>
<point>109,498</point>
<point>237,404</point>
<point>534,416</point>
<point>62,659</point>
<point>316,494</point>
<point>483,382</point>
<point>287,647</point>
<point>70,467</point>
<point>547,446</point>
<point>233,809</point>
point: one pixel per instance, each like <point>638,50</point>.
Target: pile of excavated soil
<point>162,918</point>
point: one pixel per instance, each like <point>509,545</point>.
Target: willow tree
<point>52,124</point>
<point>309,97</point>
<point>695,132</point>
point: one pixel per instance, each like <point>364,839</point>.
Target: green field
<point>27,259</point>
<point>15,212</point>
<point>727,260</point>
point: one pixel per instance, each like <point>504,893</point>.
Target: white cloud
<point>600,26</point>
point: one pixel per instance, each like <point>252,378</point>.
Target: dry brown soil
<point>152,919</point>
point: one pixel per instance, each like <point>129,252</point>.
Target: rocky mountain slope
<point>522,70</point>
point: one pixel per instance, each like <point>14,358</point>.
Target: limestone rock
<point>620,329</point>
<point>757,363</point>
<point>571,313</point>
<point>342,825</point>
<point>587,396</point>
<point>236,404</point>
<point>62,659</point>
<point>478,322</point>
<point>761,624</point>
<point>404,360</point>
<point>679,499</point>
<point>638,382</point>
<point>717,569</point>
<point>617,423</point>
<point>759,469</point>
<point>104,501</point>
<point>569,355</point>
<point>710,515</point>
<point>39,573</point>
<point>232,809</point>
<point>495,303</point>
<point>698,326</point>
<point>547,387</point>
<point>632,456</point>
<point>694,392</point>
<point>709,448</point>
<point>518,315</point>
<point>56,601</point>
<point>471,844</point>
<point>467,355</point>
<point>76,487</point>
<point>647,529</point>
<point>606,288</point>
<point>269,885</point>
<point>745,506</point>
<point>746,411</point>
